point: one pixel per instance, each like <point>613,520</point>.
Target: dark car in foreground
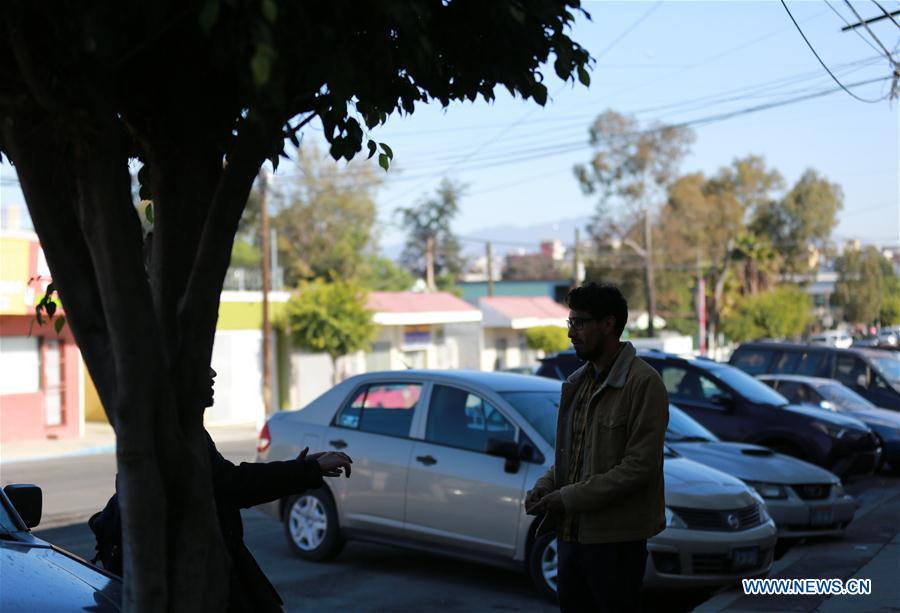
<point>803,499</point>
<point>737,407</point>
<point>38,576</point>
<point>872,373</point>
<point>832,395</point>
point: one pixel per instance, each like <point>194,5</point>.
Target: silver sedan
<point>442,461</point>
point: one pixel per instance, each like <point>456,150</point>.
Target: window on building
<point>20,363</point>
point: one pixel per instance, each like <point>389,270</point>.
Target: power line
<point>828,70</point>
<point>857,32</point>
<point>886,13</point>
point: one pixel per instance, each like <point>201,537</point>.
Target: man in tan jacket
<point>604,495</point>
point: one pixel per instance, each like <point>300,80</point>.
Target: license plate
<point>744,557</point>
<point>821,516</point>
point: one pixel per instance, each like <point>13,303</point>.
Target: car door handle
<point>338,444</point>
<point>427,460</point>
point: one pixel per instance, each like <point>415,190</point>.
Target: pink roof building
<point>414,308</point>
<point>520,312</point>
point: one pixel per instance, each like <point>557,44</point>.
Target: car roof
<point>776,345</point>
<point>797,378</point>
<point>495,381</point>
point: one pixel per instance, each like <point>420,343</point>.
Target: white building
<point>505,319</point>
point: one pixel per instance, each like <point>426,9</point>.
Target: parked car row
<point>443,459</point>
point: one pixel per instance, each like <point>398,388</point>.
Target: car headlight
<point>769,490</point>
<point>761,507</point>
<point>672,519</point>
<point>839,489</point>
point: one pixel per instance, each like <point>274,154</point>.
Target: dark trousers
<point>604,577</point>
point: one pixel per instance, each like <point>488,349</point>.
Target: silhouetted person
<point>604,495</point>
<point>237,487</point>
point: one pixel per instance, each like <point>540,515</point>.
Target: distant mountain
<point>510,238</point>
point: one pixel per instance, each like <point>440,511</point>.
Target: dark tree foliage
<point>201,92</point>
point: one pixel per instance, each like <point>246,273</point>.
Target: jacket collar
<point>617,374</point>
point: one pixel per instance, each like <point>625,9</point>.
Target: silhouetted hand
<point>532,497</point>
<point>333,463</point>
<point>551,504</point>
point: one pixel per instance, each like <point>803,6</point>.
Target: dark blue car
<point>38,576</point>
<point>737,407</point>
<point>833,396</point>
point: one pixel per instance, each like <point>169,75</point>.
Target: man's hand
<point>333,463</point>
<point>532,497</point>
<point>551,504</point>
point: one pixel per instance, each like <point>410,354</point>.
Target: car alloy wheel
<point>308,523</point>
<point>311,525</point>
<point>543,565</point>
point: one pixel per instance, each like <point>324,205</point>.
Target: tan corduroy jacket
<point>621,497</point>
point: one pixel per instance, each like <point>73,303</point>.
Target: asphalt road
<point>372,577</point>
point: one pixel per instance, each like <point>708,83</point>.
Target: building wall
<point>28,412</point>
<point>505,348</point>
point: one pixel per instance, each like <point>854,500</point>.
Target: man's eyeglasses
<point>577,323</point>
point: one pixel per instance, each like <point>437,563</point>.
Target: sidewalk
<point>870,549</point>
<point>99,438</point>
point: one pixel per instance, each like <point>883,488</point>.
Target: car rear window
<point>753,361</point>
<point>382,408</point>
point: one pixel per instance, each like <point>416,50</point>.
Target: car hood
<point>877,416</point>
<point>693,485</point>
<point>40,578</point>
<point>824,415</point>
<point>753,463</point>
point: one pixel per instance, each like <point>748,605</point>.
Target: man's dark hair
<point>600,300</point>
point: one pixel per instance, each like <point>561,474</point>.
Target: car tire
<point>543,565</point>
<point>311,525</point>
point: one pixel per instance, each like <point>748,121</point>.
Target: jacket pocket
<point>610,439</point>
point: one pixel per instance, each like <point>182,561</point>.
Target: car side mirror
<point>505,449</point>
<point>27,500</point>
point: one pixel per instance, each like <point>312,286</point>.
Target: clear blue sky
<point>651,58</point>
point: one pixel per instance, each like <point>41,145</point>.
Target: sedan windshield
<point>537,408</point>
<point>683,428</point>
<point>844,397</point>
<point>748,387</point>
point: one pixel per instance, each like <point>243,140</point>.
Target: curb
<point>87,451</point>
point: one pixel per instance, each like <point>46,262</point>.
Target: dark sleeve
<point>252,483</point>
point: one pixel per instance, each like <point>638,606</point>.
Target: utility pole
<point>490,268</point>
<point>429,263</point>
<point>648,274</point>
<point>576,259</point>
<point>701,308</point>
<point>266,324</point>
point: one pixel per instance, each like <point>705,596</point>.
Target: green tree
<point>549,339</point>
<point>201,94</point>
<point>804,218</point>
<point>330,317</point>
<point>432,249</point>
<point>782,313</point>
<point>861,286</point>
<point>382,274</point>
<point>630,169</point>
<point>324,217</point>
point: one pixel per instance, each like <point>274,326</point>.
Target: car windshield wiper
<point>688,439</point>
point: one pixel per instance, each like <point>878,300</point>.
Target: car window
<point>753,361</point>
<point>688,384</point>
<point>786,363</point>
<point>888,367</point>
<point>752,389</point>
<point>844,397</point>
<point>537,408</point>
<point>797,393</point>
<point>381,408</point>
<point>7,524</point>
<point>813,364</point>
<point>848,370</point>
<point>461,419</point>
